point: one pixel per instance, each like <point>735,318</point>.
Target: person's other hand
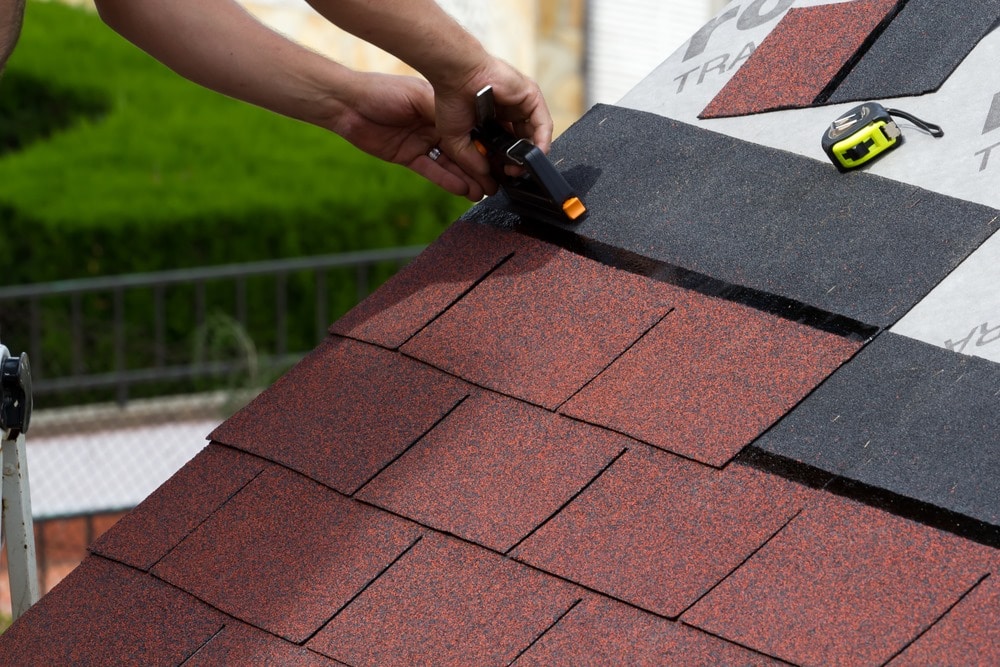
<point>519,104</point>
<point>393,118</point>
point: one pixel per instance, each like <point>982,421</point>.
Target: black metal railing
<point>69,303</point>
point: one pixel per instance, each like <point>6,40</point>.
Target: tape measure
<point>866,132</point>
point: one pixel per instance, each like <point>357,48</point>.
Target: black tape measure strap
<point>930,128</point>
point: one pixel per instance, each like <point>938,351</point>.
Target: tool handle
<point>542,189</point>
<point>551,181</point>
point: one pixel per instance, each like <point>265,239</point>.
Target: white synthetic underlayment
<point>963,313</point>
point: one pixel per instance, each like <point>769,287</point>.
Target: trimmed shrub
<point>131,168</point>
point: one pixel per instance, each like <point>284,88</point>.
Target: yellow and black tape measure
<point>866,132</point>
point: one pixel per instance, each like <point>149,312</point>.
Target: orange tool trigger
<point>574,208</point>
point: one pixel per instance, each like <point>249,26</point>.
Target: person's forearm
<point>455,63</point>
<point>217,44</point>
<point>418,32</point>
<point>11,17</point>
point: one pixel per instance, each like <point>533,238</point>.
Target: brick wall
<point>60,545</point>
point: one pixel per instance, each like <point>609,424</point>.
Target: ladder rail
<point>15,518</point>
<point>18,528</point>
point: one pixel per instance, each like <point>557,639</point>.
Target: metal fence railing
<point>95,312</point>
<point>124,395</point>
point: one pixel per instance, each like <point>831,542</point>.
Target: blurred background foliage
<point>110,163</point>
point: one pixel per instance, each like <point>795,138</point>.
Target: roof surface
<point>719,422</point>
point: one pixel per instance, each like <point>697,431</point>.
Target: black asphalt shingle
<point>855,245</point>
<point>919,50</point>
<point>908,419</point>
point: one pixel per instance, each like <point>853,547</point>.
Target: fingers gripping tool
<point>540,190</point>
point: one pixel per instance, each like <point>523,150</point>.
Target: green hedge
<point>132,168</point>
<point>110,163</point>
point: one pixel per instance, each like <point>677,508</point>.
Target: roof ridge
<point>678,276</point>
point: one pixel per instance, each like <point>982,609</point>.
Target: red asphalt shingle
<point>599,631</point>
<point>446,603</point>
<point>543,325</point>
<point>710,378</point>
<point>621,536</point>
<point>344,413</point>
<point>104,613</point>
<point>842,584</point>
<point>961,637</point>
<point>407,302</point>
<point>150,531</point>
<point>240,644</point>
<point>494,470</point>
<point>514,454</point>
<point>286,553</point>
<point>801,57</point>
<point>658,531</point>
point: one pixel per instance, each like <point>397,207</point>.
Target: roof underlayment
<point>743,414</point>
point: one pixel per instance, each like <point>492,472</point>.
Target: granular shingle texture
<point>172,512</point>
<point>842,584</point>
<point>421,291</point>
<point>659,532</point>
<point>310,540</point>
<point>714,376</point>
<point>675,433</point>
<point>580,317</point>
<point>240,644</point>
<point>908,418</point>
<point>447,603</point>
<point>477,527</point>
<point>961,634</point>
<point>919,50</point>
<point>856,245</point>
<point>802,57</point>
<point>604,632</point>
<point>494,470</point>
<point>109,614</point>
<point>370,406</point>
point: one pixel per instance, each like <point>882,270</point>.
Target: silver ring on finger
<point>434,153</point>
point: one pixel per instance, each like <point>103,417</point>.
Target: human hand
<point>393,118</point>
<point>519,105</point>
<point>424,36</point>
